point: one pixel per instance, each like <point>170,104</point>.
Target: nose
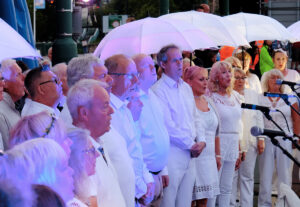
<point>111,110</point>
<point>109,80</point>
<point>134,80</point>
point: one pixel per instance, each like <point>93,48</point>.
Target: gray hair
<point>80,139</point>
<point>162,54</point>
<point>267,75</point>
<point>58,69</point>
<point>82,68</point>
<point>81,94</point>
<point>5,68</point>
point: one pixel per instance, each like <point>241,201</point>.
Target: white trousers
<point>266,167</point>
<point>181,169</point>
<point>226,174</point>
<point>244,180</point>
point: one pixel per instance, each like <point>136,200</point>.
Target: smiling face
<point>14,86</point>
<point>280,60</point>
<point>174,64</point>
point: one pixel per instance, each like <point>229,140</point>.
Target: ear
<point>39,90</point>
<point>82,113</point>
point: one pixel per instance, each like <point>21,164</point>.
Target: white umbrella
<point>149,35</point>
<point>294,29</point>
<point>222,31</point>
<point>259,27</point>
<point>13,45</point>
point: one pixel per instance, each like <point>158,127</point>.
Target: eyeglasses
<point>55,80</point>
<point>129,76</point>
<point>91,150</point>
<point>239,78</point>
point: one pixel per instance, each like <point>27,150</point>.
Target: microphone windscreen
<point>256,131</point>
<point>278,81</point>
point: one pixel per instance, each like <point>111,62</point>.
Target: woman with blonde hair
<point>206,186</point>
<point>234,61</point>
<point>42,124</point>
<point>228,104</point>
<point>272,153</point>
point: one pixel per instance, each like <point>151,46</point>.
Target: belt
<point>155,173</point>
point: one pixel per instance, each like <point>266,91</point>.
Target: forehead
<point>100,95</point>
<point>279,55</point>
<point>146,60</point>
<point>47,74</point>
<point>15,68</point>
<point>127,66</point>
<point>100,69</point>
<point>174,52</point>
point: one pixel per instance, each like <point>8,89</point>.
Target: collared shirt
<point>123,122</point>
<point>108,189</point>
<point>32,107</point>
<point>180,112</point>
<point>66,116</point>
<point>115,146</point>
<point>154,135</point>
<point>9,117</point>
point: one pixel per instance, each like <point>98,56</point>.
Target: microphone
<point>256,131</point>
<point>257,107</point>
<point>283,96</point>
<point>280,82</point>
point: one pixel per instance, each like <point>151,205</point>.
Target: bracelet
<point>218,156</point>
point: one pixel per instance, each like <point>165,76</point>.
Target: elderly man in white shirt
<point>154,135</point>
<point>44,90</point>
<point>186,134</point>
<point>91,67</point>
<point>88,102</point>
<point>13,91</point>
<point>124,73</point>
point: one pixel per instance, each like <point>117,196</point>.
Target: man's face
<point>173,66</point>
<point>125,79</point>
<point>50,87</point>
<point>100,73</point>
<point>147,72</point>
<point>99,113</point>
<point>15,85</point>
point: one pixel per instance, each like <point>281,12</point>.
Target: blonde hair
<point>242,55</point>
<point>267,75</point>
<point>234,61</point>
<point>235,69</point>
<point>213,83</point>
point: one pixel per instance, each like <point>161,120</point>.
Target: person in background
<point>295,56</point>
<point>265,59</point>
<point>13,91</point>
<point>206,186</point>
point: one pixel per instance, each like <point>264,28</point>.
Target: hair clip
<point>45,67</point>
<point>48,129</point>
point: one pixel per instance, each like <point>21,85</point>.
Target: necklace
<point>274,101</point>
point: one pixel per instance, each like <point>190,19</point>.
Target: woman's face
<point>224,77</point>
<point>199,82</point>
<point>245,65</point>
<point>90,157</point>
<point>280,60</point>
<point>272,86</point>
<point>239,82</point>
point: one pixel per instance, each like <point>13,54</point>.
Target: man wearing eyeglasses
<point>13,91</point>
<point>44,90</point>
<point>125,77</point>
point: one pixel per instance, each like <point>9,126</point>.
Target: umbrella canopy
<point>222,31</point>
<point>259,27</point>
<point>294,29</point>
<point>13,45</point>
<point>149,35</point>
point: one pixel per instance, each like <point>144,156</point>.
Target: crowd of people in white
<point>109,134</point>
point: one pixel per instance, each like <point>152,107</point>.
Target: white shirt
<point>179,109</point>
<point>76,203</point>
<point>253,83</point>
<point>154,135</point>
<point>66,116</point>
<point>108,189</point>
<point>115,146</point>
<point>32,107</point>
<point>123,122</point>
<point>293,76</point>
<point>9,117</point>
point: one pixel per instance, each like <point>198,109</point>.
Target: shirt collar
<point>170,82</point>
<point>116,102</point>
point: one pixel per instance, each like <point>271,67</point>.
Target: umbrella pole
<point>191,56</point>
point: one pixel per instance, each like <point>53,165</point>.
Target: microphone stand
<point>276,143</point>
<point>286,100</point>
<point>267,115</point>
<point>294,89</point>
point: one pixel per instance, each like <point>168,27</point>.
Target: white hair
<point>81,94</point>
<point>77,161</point>
<point>267,75</point>
<point>36,160</point>
<point>82,68</point>
<point>59,68</point>
<point>6,68</point>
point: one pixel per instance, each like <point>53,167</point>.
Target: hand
<point>165,180</point>
<point>219,163</point>
<point>260,146</point>
<point>243,156</point>
<point>148,197</point>
<point>197,148</point>
<point>238,162</point>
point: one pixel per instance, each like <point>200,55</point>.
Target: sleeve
<point>176,136</point>
<point>266,61</point>
<point>1,143</point>
<point>4,132</point>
